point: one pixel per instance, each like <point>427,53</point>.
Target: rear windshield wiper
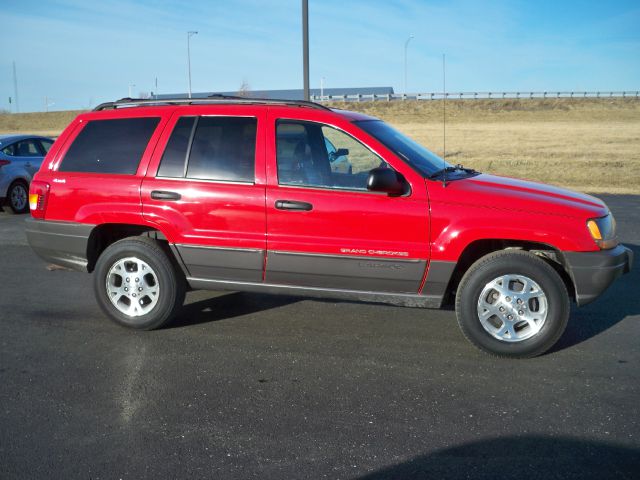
<point>454,168</point>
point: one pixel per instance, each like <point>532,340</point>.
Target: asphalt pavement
<point>255,386</point>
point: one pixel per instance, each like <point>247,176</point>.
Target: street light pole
<point>305,47</point>
<point>406,44</point>
<point>189,35</point>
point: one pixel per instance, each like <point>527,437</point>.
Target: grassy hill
<point>585,144</point>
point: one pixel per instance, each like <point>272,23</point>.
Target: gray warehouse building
<point>292,94</point>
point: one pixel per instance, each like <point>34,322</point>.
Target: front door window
<point>315,155</point>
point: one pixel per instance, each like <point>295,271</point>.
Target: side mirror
<point>387,180</point>
<point>341,152</point>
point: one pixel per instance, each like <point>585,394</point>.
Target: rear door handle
<point>293,205</point>
<point>163,195</point>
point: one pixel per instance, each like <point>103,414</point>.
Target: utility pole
<point>406,44</point>
<point>305,47</point>
<point>321,88</point>
<point>15,87</point>
<point>189,35</point>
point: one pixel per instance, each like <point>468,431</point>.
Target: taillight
<point>38,195</point>
<point>4,162</point>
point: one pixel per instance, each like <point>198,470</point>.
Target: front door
<point>324,228</point>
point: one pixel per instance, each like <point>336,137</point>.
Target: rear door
<point>29,153</point>
<point>205,189</point>
<point>324,228</point>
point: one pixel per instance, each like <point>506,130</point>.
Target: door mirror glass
<point>387,180</point>
<point>341,152</point>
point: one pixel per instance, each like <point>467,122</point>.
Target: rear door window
<point>27,148</point>
<point>214,148</point>
<point>223,148</point>
<point>110,146</point>
<point>175,154</point>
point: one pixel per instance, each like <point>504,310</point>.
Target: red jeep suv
<point>157,197</point>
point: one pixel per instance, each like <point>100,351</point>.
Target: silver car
<point>20,159</point>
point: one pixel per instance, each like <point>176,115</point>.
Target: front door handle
<point>164,195</point>
<point>293,205</point>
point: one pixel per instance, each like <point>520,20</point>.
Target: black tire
<point>168,282</point>
<point>517,263</point>
<point>18,197</point>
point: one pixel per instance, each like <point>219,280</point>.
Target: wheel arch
<point>105,234</point>
<point>479,248</point>
<point>23,178</point>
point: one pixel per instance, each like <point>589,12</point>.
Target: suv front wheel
<point>136,284</point>
<point>512,304</point>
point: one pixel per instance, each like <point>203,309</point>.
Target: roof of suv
<point>213,100</point>
<point>224,100</point>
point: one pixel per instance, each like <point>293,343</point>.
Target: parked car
<point>20,158</point>
<point>155,198</point>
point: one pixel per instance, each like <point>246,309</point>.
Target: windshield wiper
<point>454,168</point>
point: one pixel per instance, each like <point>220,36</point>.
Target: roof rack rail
<point>211,100</point>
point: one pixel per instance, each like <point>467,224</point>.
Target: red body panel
<point>490,207</point>
<point>209,213</point>
<point>432,222</point>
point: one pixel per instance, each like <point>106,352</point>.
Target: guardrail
<point>470,96</point>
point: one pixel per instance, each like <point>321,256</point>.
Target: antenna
<point>444,124</point>
<point>15,87</point>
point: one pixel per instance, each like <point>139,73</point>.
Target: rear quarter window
<point>110,146</point>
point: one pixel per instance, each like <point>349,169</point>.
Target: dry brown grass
<point>587,145</point>
<point>48,124</point>
<point>584,144</point>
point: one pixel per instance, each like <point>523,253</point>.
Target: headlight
<point>603,231</point>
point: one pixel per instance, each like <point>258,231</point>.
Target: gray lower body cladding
<point>593,272</point>
<point>385,280</point>
<point>382,280</point>
<point>61,243</point>
<point>243,265</point>
<point>344,272</point>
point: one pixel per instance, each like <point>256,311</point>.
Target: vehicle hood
<point>506,193</point>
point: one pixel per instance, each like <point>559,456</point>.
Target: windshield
<point>424,161</point>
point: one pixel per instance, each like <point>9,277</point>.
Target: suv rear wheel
<point>137,285</point>
<point>512,304</point>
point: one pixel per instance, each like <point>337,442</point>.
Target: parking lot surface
<point>254,386</point>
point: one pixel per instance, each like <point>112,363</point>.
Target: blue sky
<point>79,53</point>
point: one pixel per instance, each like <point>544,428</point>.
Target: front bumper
<point>593,272</point>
